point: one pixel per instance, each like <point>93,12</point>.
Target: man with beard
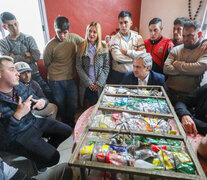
<point>185,64</point>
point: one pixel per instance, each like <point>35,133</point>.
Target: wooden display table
<point>83,128</point>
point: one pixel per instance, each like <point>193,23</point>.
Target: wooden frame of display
<point>83,164</point>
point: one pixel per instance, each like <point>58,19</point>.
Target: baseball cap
<point>22,67</point>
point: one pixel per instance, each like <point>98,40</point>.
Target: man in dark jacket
<point>142,73</point>
<point>193,111</point>
<point>22,133</point>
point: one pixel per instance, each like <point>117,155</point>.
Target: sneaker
<point>40,171</point>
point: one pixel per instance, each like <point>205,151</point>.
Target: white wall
<point>168,11</point>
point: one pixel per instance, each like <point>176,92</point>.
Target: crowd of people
<point>29,105</point>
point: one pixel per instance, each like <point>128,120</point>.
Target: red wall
<point>81,12</point>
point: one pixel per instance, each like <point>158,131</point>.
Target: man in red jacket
<point>157,45</point>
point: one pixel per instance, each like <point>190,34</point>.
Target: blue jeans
<point>66,98</point>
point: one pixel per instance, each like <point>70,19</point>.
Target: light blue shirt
<point>91,53</point>
<point>127,38</point>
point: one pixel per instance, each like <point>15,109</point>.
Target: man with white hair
<point>142,73</point>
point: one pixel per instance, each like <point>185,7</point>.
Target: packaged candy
<point>87,150</point>
<point>145,154</point>
<point>163,106</point>
<point>115,158</point>
<point>121,90</point>
<point>187,167</point>
<point>157,148</point>
<point>166,160</point>
<point>151,123</point>
<point>116,116</point>
<point>146,165</point>
<point>111,90</point>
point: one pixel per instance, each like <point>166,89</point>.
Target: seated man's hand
<point>189,125</point>
<point>23,108</point>
<point>38,103</point>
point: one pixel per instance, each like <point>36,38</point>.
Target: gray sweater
<point>24,43</point>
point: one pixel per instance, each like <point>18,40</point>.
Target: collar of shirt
<point>127,38</point>
<point>12,96</point>
<point>91,48</point>
<point>91,52</point>
<point>144,82</point>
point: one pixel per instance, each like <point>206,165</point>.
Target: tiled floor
<point>65,149</point>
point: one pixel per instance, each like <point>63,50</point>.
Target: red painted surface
<point>81,12</point>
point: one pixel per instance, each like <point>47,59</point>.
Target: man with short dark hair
<point>21,47</point>
<point>59,57</point>
<point>22,132</point>
<point>185,64</point>
<point>125,45</point>
<point>157,45</point>
<point>142,73</point>
<point>178,30</point>
<point>25,77</point>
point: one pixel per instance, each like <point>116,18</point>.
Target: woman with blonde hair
<point>92,64</point>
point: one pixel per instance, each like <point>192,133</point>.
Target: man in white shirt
<point>125,46</point>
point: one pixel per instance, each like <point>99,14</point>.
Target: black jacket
<point>195,105</point>
<point>11,125</point>
<point>154,79</point>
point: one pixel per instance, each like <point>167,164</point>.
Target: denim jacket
<point>11,125</point>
